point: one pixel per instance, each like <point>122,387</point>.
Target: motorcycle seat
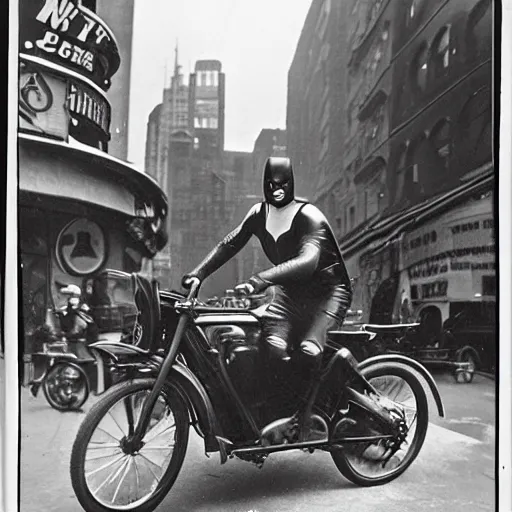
<point>388,329</point>
<point>341,337</point>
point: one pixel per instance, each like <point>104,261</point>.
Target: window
<point>400,171</point>
<point>352,216</point>
<point>441,141</point>
<point>416,168</point>
<point>441,52</point>
<point>475,128</point>
<point>419,68</point>
<point>489,285</point>
<point>479,29</point>
<point>412,12</point>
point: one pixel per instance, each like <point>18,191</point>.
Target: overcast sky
<point>254,40</point>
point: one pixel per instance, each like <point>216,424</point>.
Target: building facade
<point>200,215</point>
<point>81,209</point>
<point>412,203</point>
<point>118,15</point>
<point>316,106</point>
<point>185,154</point>
<point>206,106</point>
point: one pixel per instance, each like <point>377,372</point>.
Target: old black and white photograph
<point>258,257</point>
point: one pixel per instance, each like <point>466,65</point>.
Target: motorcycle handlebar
<point>194,288</point>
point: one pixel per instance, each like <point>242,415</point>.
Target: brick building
<point>416,166</point>
<point>316,108</point>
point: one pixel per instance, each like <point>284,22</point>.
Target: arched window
<point>416,171</point>
<point>419,68</point>
<point>440,55</point>
<point>412,12</point>
<point>475,128</point>
<point>479,29</point>
<point>441,142</point>
<point>400,165</point>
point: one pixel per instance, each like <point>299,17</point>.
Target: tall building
<point>174,116</point>
<point>316,108</point>
<point>411,197</point>
<point>118,14</point>
<point>185,153</point>
<point>152,138</point>
<point>206,106</point>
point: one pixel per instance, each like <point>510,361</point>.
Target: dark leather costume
<point>312,288</point>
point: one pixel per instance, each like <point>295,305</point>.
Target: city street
<point>454,472</point>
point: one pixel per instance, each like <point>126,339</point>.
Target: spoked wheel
<point>66,387</point>
<point>106,472</point>
<point>465,375</point>
<point>365,464</point>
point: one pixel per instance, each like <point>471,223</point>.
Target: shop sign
<point>65,33</point>
<point>90,106</point>
<point>466,231</point>
<point>81,247</point>
<point>42,104</point>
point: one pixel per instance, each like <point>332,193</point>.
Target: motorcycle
<point>202,371</point>
<point>74,367</point>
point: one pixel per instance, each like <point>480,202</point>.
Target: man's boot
<point>346,367</point>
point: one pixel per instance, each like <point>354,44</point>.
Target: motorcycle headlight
<point>71,373</point>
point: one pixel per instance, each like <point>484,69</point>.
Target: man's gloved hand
<point>244,289</point>
<point>258,284</point>
<point>187,281</point>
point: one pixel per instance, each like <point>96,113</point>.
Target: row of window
<point>208,78</point>
<point>206,122</point>
<point>433,60</point>
<point>473,132</point>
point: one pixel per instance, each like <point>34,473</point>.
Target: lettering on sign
<point>59,14</point>
<point>52,43</point>
<point>472,226</point>
<point>87,103</point>
<point>69,35</point>
<point>438,264</point>
<point>419,241</point>
<point>437,289</point>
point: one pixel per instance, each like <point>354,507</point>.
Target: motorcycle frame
<point>203,416</point>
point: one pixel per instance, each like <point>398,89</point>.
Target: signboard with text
<point>447,258</point>
<point>47,102</point>
<point>69,35</point>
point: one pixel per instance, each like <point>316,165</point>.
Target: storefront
<point>81,211</point>
<point>448,264</point>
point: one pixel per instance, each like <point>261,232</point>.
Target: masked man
<point>312,290</point>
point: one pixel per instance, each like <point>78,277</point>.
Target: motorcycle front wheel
<point>361,463</point>
<point>66,387</point>
<point>106,476</point>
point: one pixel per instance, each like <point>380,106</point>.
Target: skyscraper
<point>206,106</point>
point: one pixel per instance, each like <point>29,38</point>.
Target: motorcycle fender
<point>73,365</point>
<point>395,358</point>
<point>200,406</point>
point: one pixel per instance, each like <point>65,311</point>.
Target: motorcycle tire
<point>59,406</point>
<point>97,413</point>
<point>410,377</point>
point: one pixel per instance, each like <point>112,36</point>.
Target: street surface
<point>453,473</point>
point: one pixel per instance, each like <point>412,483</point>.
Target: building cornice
<point>392,225</point>
<point>138,180</point>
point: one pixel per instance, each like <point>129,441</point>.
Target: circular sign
<point>81,247</point>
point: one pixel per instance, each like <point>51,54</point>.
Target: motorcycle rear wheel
<point>51,389</point>
<point>124,478</point>
<point>353,466</point>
